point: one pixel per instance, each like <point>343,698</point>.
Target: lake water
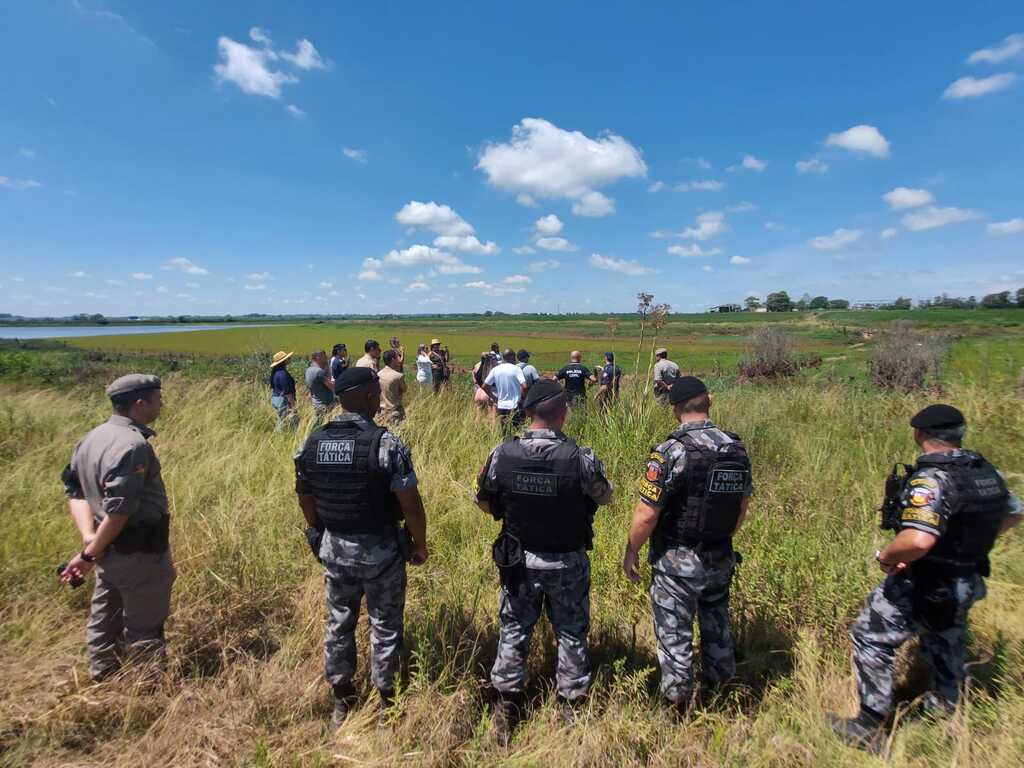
<point>27,332</point>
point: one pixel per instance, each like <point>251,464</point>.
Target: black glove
<point>314,536</point>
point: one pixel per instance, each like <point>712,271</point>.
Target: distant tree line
<point>780,301</point>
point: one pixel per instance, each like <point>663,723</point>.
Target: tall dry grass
<point>244,685</point>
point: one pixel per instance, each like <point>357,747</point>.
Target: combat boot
<point>863,731</point>
<point>387,701</point>
<point>570,710</point>
<point>506,716</point>
<point>344,700</point>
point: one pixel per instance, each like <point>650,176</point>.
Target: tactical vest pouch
<point>934,602</point>
<point>508,555</point>
<point>709,496</point>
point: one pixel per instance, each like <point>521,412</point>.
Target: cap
<point>280,357</point>
<point>543,390</point>
<point>133,382</point>
<point>434,341</point>
<point>354,378</point>
<point>660,351</point>
<point>523,354</point>
<point>686,388</point>
<point>938,416</point>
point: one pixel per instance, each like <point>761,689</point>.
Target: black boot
<point>863,731</point>
<point>506,716</point>
<point>387,700</point>
<point>344,700</point>
<point>570,710</point>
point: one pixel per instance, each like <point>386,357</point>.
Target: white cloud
<point>297,112</point>
<point>261,36</point>
<point>108,16</point>
<point>543,266</point>
<point>255,287</point>
<point>555,244</point>
<point>548,225</point>
<point>355,155</point>
<point>703,186</point>
<point>739,260</point>
<point>773,226</point>
<point>1011,227</point>
<point>973,87</point>
<point>1011,47</point>
<point>142,276</point>
<point>78,274</point>
<point>632,268</point>
<point>459,268</point>
<point>27,153</point>
<point>416,287</point>
<point>543,160</point>
<point>494,290</point>
<point>516,280</point>
<point>467,244</point>
<point>525,200</point>
<point>594,205</point>
<point>840,238</point>
<point>161,289</point>
<point>118,283</point>
<point>905,197</point>
<point>326,284</point>
<point>416,255</point>
<point>249,68</point>
<point>888,233</point>
<point>370,275</point>
<point>440,219</point>
<point>692,251</point>
<point>305,57</point>
<point>708,268</point>
<point>187,266</point>
<point>811,165</point>
<point>933,217</point>
<point>754,164</point>
<point>188,285</point>
<point>709,224</point>
<point>741,207</point>
<point>860,138</point>
<point>524,250</point>
<point>657,186</point>
<point>258,277</point>
<point>19,184</point>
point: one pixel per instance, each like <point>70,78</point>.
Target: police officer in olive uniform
<point>948,512</point>
<point>355,482</point>
<point>693,499</point>
<point>119,505</point>
<point>544,489</point>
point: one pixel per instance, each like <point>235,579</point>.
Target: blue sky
<point>195,157</point>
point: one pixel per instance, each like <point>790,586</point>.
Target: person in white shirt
<point>424,376</point>
<point>506,386</point>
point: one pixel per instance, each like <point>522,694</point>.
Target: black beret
<point>354,378</point>
<point>686,388</point>
<point>937,417</point>
<point>545,389</point>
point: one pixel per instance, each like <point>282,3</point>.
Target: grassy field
<point>245,685</point>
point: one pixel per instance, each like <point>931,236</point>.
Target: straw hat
<point>434,341</point>
<point>280,357</point>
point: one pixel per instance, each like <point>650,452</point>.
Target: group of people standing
<point>359,495</point>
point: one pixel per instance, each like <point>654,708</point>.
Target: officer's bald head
<point>575,356</point>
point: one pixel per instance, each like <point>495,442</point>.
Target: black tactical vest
<point>704,503</point>
<point>542,499</point>
<point>981,500</point>
<point>352,494</point>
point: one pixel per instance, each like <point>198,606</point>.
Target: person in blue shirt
<point>282,391</point>
<point>529,372</point>
<point>609,377</point>
<point>339,361</point>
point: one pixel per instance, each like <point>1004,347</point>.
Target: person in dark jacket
<point>282,391</point>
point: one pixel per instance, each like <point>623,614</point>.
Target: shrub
<point>770,356</point>
<point>907,361</point>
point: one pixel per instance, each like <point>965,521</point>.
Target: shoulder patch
<point>924,482</point>
<point>920,496</point>
<point>925,515</point>
<point>649,490</point>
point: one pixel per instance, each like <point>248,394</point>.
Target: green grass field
<point>244,687</point>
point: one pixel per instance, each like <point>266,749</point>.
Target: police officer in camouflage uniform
<point>355,481</point>
<point>693,499</point>
<point>544,489</point>
<point>117,500</point>
<point>948,512</point>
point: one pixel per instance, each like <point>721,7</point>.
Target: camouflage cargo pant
<point>687,585</point>
<point>130,603</point>
<point>564,594</point>
<point>888,621</point>
<point>384,587</point>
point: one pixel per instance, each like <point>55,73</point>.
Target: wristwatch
<point>87,557</point>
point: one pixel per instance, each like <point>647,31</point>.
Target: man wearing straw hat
<point>282,391</point>
<point>438,364</point>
